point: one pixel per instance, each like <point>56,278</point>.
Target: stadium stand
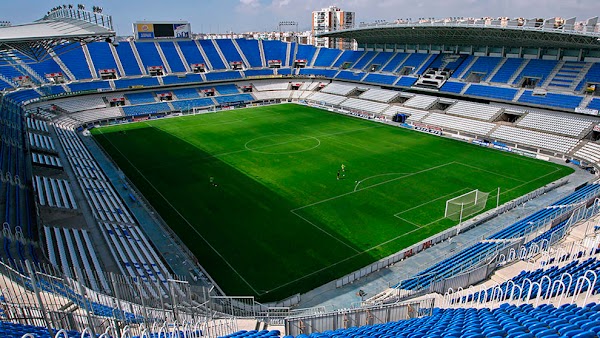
<point>551,99</point>
<point>537,69</point>
<point>395,62</point>
<point>350,75</point>
<point>421,102</point>
<point>89,86</point>
<point>185,93</point>
<point>560,124</point>
<point>459,123</point>
<point>212,54</point>
<point>499,93</point>
<point>190,52</point>
<point>234,99</point>
<point>54,192</point>
<point>221,76</point>
<point>274,51</point>
<point>483,65</point>
<point>102,56</point>
<point>406,81</point>
<point>128,60</point>
<point>305,52</point>
<point>364,105</point>
<point>76,62</point>
<point>474,110</point>
<point>146,109</point>
<point>228,49</point>
<point>567,74</point>
<point>272,95</point>
<point>181,78</point>
<point>382,79</point>
<point>379,95</point>
<point>138,98</point>
<point>170,51</point>
<point>592,76</point>
<point>414,115</point>
<point>506,70</point>
<point>535,139</point>
<point>326,98</point>
<point>143,81</point>
<point>364,60</point>
<point>251,51</point>
<point>347,58</point>
<point>270,85</point>
<point>187,105</point>
<point>149,55</point>
<point>594,104</point>
<point>452,87</point>
<point>326,57</point>
<point>339,89</point>
<point>589,152</point>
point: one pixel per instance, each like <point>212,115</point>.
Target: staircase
<point>262,53</point>
<point>336,59</point>
<point>312,62</point>
<point>552,74</point>
<point>369,62</point>
<point>62,65</point>
<point>182,57</point>
<point>26,70</point>
<point>360,58</point>
<point>291,58</point>
<point>9,81</point>
<point>425,63</point>
<point>401,63</point>
<point>518,71</point>
<point>493,73</point>
<point>388,61</point>
<point>586,100</point>
<point>163,57</point>
<point>65,87</point>
<point>581,75</point>
<point>519,93</point>
<point>113,50</point>
<point>221,55</point>
<point>206,60</point>
<point>138,58</point>
<point>464,72</point>
<point>239,50</point>
<point>88,58</point>
<point>462,92</point>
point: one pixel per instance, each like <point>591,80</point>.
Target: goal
<point>466,205</point>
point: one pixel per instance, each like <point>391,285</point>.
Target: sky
<point>222,16</point>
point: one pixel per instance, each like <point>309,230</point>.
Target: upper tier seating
<point>250,49</point>
<point>102,56</point>
<point>507,70</point>
<point>326,57</point>
<point>306,52</point>
<point>228,49</point>
<point>499,93</point>
<point>136,82</point>
<point>393,64</point>
<point>170,51</point>
<point>149,54</point>
<point>128,60</point>
<point>364,60</point>
<point>212,54</point>
<point>538,69</point>
<point>551,99</point>
<point>452,87</point>
<point>383,79</point>
<point>567,74</point>
<point>483,65</point>
<point>274,50</point>
<point>181,78</point>
<point>348,57</point>
<point>77,64</point>
<point>593,76</point>
<point>191,52</point>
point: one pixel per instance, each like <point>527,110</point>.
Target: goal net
<point>465,205</point>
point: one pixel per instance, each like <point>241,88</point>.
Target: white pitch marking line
<point>422,204</point>
<point>368,178</point>
<point>323,230</point>
<point>183,217</point>
<point>491,172</point>
<point>372,186</point>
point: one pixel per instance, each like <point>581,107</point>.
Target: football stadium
<point>438,180</point>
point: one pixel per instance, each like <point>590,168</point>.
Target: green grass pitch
<point>277,221</point>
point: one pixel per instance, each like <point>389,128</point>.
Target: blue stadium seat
<point>170,51</point>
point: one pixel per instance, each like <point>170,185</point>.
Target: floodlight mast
<point>286,24</point>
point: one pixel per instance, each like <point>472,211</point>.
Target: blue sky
<point>220,16</point>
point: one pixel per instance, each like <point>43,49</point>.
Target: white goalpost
<point>466,205</point>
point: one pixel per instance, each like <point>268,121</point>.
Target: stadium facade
<point>80,252</point>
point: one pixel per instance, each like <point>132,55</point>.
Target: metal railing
<point>95,18</point>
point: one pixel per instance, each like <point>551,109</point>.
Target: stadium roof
<point>60,30</point>
<point>525,34</point>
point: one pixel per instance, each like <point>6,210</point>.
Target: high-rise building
<point>328,20</point>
